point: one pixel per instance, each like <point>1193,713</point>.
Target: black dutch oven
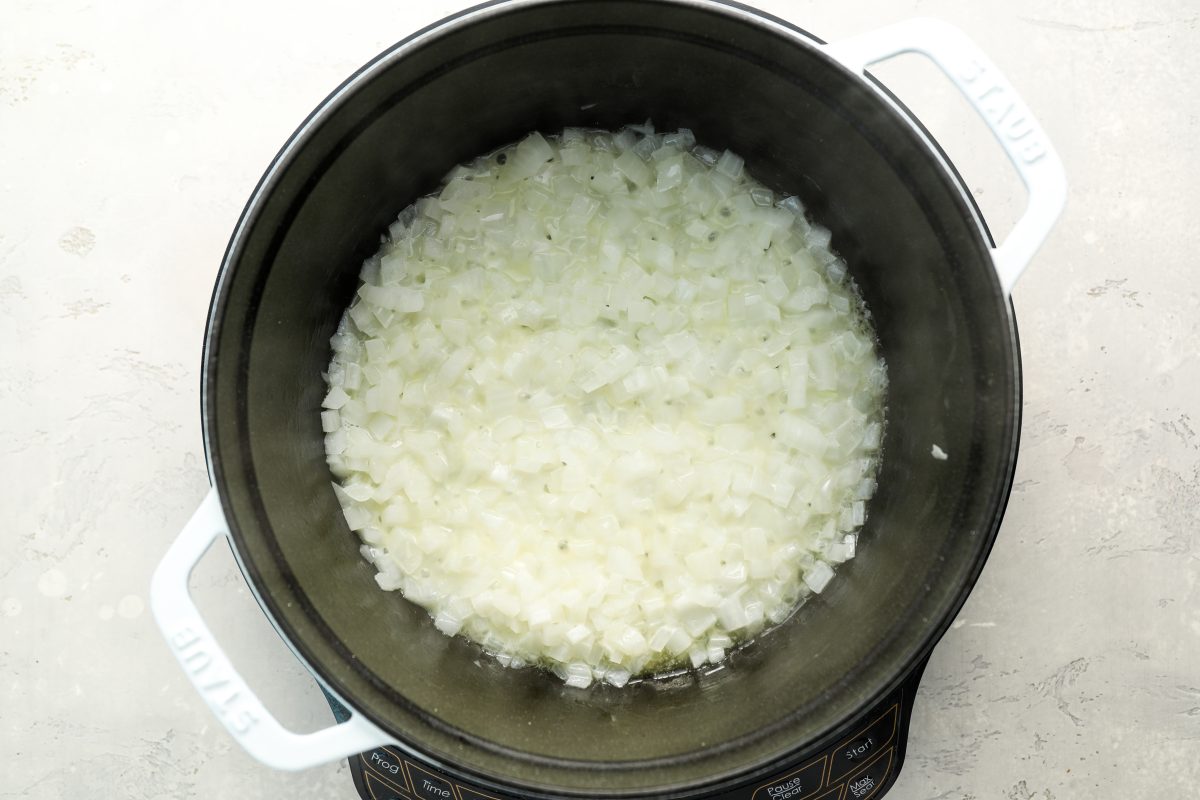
<point>821,701</point>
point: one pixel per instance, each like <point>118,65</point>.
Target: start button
<point>856,751</point>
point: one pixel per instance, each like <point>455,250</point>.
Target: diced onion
<point>605,405</point>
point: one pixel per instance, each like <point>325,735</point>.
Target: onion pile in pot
<point>605,404</point>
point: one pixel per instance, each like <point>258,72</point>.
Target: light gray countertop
<point>132,134</point>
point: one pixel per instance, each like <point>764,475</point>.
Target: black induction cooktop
<point>863,766</point>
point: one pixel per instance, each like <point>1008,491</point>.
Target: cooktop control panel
<point>858,768</point>
<point>862,766</point>
<point>384,774</point>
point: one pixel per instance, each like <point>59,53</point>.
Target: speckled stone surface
<point>132,134</point>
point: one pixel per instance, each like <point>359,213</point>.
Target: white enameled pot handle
<point>210,671</point>
<point>997,102</point>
